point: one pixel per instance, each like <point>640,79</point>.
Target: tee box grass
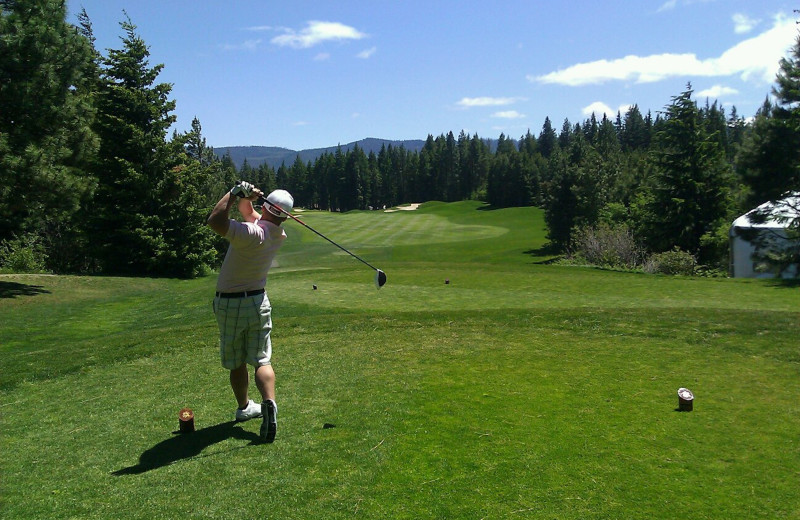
<point>517,390</point>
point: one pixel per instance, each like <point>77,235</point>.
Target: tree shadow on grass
<point>784,283</point>
<point>545,254</point>
<point>14,289</point>
<point>186,446</point>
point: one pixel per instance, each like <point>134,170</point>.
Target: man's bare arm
<point>219,220</point>
<point>249,213</point>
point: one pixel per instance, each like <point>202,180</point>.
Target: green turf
<point>518,390</point>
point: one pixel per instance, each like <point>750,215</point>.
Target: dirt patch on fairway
<point>408,207</point>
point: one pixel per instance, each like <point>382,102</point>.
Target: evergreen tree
<point>735,130</point>
<point>282,176</point>
<point>426,175</point>
<point>590,128</point>
<point>135,164</point>
<point>475,168</point>
<point>691,198</point>
<point>449,167</point>
<point>353,187</point>
<point>373,181</point>
<point>184,246</point>
<point>635,134</point>
<point>504,176</point>
<point>196,147</point>
<point>559,201</point>
<point>577,190</point>
<point>606,141</point>
<point>716,125</point>
<point>565,137</point>
<point>528,145</point>
<point>297,182</point>
<point>548,140</point>
<point>47,107</point>
<point>769,160</point>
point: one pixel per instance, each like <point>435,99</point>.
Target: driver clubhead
<point>380,278</point>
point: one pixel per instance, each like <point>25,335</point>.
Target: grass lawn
<point>516,390</point>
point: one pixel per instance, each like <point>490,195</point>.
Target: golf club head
<point>380,278</point>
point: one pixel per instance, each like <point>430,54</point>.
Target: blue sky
<point>308,74</point>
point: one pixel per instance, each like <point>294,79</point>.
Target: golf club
<point>380,276</point>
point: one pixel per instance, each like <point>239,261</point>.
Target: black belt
<point>243,294</point>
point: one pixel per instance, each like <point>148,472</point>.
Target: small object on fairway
<point>186,420</point>
<point>447,281</point>
<point>380,278</point>
<point>328,426</point>
<point>314,286</point>
<point>685,400</point>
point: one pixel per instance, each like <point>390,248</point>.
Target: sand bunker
<point>408,207</point>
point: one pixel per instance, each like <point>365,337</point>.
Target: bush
<point>24,254</point>
<point>715,247</point>
<point>671,262</point>
<point>607,246</point>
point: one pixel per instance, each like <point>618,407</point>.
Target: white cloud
<point>667,6</point>
<point>743,23</point>
<point>671,4</point>
<point>747,58</point>
<point>322,56</point>
<point>367,53</point>
<point>508,114</point>
<point>717,91</point>
<point>468,102</point>
<point>248,45</point>
<point>300,123</point>
<point>598,108</point>
<point>317,32</point>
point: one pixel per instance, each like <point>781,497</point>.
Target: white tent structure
<point>774,228</point>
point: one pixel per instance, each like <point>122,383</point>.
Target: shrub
<point>609,246</point>
<point>671,262</point>
<point>24,254</point>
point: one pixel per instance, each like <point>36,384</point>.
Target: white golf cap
<point>282,199</point>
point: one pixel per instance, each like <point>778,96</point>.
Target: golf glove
<point>242,189</point>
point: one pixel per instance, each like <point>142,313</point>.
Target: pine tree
<point>133,161</point>
<point>547,139</point>
<point>47,107</point>
<point>769,159</point>
<point>692,195</point>
<point>475,168</point>
<point>449,168</point>
<point>769,162</point>
<point>635,133</point>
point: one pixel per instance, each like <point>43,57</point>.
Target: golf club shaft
<point>326,238</point>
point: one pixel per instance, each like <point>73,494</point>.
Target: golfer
<point>241,305</point>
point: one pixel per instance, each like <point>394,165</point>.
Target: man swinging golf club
<point>241,305</point>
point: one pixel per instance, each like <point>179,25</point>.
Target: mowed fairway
<point>517,390</point>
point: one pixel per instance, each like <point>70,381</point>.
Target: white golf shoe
<point>250,411</point>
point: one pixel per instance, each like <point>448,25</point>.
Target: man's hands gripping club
<point>243,191</point>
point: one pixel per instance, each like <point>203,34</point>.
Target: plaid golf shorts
<point>244,329</point>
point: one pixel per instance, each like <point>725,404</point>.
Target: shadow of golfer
<point>186,446</point>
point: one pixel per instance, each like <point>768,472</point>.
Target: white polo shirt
<point>252,248</point>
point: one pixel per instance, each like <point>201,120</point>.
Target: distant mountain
<point>275,156</point>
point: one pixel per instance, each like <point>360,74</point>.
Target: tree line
<point>92,181</point>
